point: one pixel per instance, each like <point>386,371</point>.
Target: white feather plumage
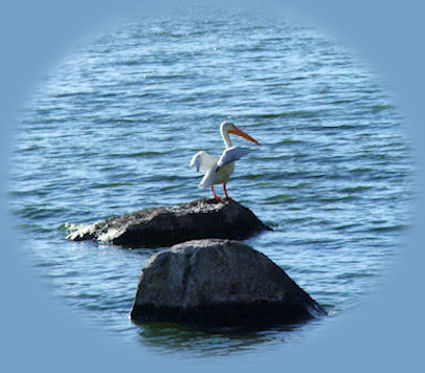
<point>217,170</point>
<point>232,154</point>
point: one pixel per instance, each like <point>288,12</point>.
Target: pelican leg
<point>225,190</point>
<point>215,195</point>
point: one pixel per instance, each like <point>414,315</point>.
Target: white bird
<point>217,170</point>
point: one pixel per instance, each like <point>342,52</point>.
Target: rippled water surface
<point>113,127</point>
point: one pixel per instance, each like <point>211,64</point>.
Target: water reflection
<point>171,337</point>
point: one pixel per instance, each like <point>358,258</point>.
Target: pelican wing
<point>202,161</point>
<point>208,179</point>
<point>232,154</point>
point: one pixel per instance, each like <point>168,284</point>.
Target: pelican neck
<point>226,139</point>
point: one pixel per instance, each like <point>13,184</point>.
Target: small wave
<point>351,275</point>
<point>281,197</point>
<point>168,178</point>
<point>288,142</point>
<point>114,120</point>
<point>65,226</point>
<point>378,108</point>
<point>133,62</point>
<point>31,148</point>
<point>346,226</point>
<point>362,170</point>
<point>299,78</point>
<point>73,94</point>
<point>298,185</point>
<point>47,264</point>
<point>272,224</point>
<point>284,114</point>
<point>389,228</point>
<point>87,296</point>
<point>298,220</point>
<point>39,212</point>
<point>359,188</point>
<point>107,94</point>
<point>151,153</point>
<point>110,185</point>
<point>336,127</point>
<point>34,227</point>
<point>341,101</point>
<point>32,192</point>
<point>171,187</point>
<point>337,199</point>
<point>253,176</point>
<point>272,158</point>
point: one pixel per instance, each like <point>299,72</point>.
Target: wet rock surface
<point>166,226</point>
<point>219,283</point>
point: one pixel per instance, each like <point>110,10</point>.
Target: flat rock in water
<point>165,226</point>
<point>219,283</point>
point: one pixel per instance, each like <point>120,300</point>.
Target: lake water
<point>113,127</point>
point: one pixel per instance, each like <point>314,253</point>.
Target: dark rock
<point>165,226</point>
<point>219,283</point>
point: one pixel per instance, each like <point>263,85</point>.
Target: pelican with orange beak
<point>217,170</point>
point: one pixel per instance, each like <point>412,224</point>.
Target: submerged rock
<point>164,226</point>
<point>221,283</point>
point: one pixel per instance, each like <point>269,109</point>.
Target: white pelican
<point>217,170</point>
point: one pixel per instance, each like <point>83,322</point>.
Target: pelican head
<point>227,128</point>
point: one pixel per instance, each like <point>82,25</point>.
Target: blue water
<point>113,127</point>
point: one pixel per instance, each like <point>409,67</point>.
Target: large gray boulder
<point>219,282</point>
<point>165,226</point>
